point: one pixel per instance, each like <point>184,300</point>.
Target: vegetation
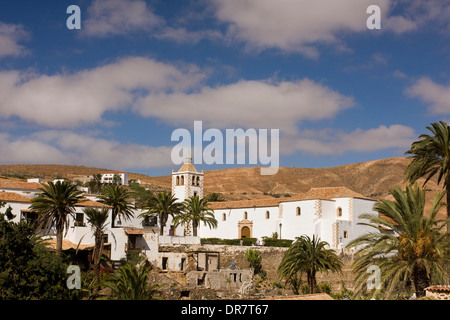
<point>97,219</point>
<point>195,211</point>
<point>28,270</point>
<point>95,184</point>
<point>131,282</point>
<point>254,257</point>
<point>214,197</point>
<point>163,204</point>
<point>141,195</point>
<point>431,156</point>
<point>119,199</point>
<point>308,256</point>
<point>408,245</point>
<point>236,242</point>
<point>54,205</point>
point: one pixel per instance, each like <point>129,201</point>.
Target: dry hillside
<point>372,179</point>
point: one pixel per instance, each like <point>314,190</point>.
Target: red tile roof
<point>441,288</point>
<point>327,193</point>
<point>335,192</point>
<point>91,203</point>
<point>7,184</point>
<point>13,197</point>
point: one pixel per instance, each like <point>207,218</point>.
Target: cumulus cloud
<point>332,142</point>
<point>112,17</point>
<point>66,147</point>
<point>437,96</point>
<point>70,100</point>
<point>248,104</point>
<point>10,36</point>
<point>293,25</point>
<point>172,93</point>
<point>121,17</point>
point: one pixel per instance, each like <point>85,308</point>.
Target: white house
<point>111,176</point>
<point>29,189</point>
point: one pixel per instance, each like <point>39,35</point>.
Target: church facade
<point>331,214</point>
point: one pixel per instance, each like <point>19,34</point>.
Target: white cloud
<point>121,17</point>
<point>70,100</point>
<point>334,142</point>
<point>294,25</point>
<point>65,147</point>
<point>112,17</point>
<point>419,13</point>
<point>248,104</point>
<point>434,94</point>
<point>10,36</point>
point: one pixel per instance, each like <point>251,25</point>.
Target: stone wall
<point>271,258</point>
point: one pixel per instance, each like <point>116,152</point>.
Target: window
<point>267,215</point>
<point>178,180</point>
<point>193,180</point>
<point>164,263</point>
<point>299,211</point>
<point>182,180</point>
<point>224,217</point>
<point>195,193</point>
<point>339,212</point>
<point>345,234</point>
<point>79,220</point>
<point>198,181</point>
<point>245,215</point>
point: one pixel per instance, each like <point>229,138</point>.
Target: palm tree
<point>406,245</point>
<point>54,205</point>
<point>131,282</point>
<point>119,199</point>
<point>97,219</point>
<point>164,205</point>
<point>309,256</point>
<point>431,156</point>
<point>196,210</point>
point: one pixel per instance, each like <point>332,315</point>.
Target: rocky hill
<point>372,179</point>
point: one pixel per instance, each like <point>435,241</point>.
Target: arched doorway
<point>245,232</point>
<point>245,229</point>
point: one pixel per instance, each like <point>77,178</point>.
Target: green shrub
<point>324,288</point>
<point>235,242</point>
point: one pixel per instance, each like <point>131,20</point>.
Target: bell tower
<point>187,181</point>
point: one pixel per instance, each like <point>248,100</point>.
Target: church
<point>330,213</point>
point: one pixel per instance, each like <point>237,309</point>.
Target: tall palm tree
<point>119,199</point>
<point>54,205</point>
<point>97,219</point>
<point>131,282</point>
<point>309,256</point>
<point>163,204</point>
<point>431,156</point>
<point>406,244</point>
<point>196,210</point>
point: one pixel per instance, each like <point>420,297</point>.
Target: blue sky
<point>110,94</point>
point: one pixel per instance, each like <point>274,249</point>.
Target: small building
<point>29,189</point>
<point>119,177</point>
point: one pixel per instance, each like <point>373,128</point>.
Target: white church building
<point>329,213</point>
